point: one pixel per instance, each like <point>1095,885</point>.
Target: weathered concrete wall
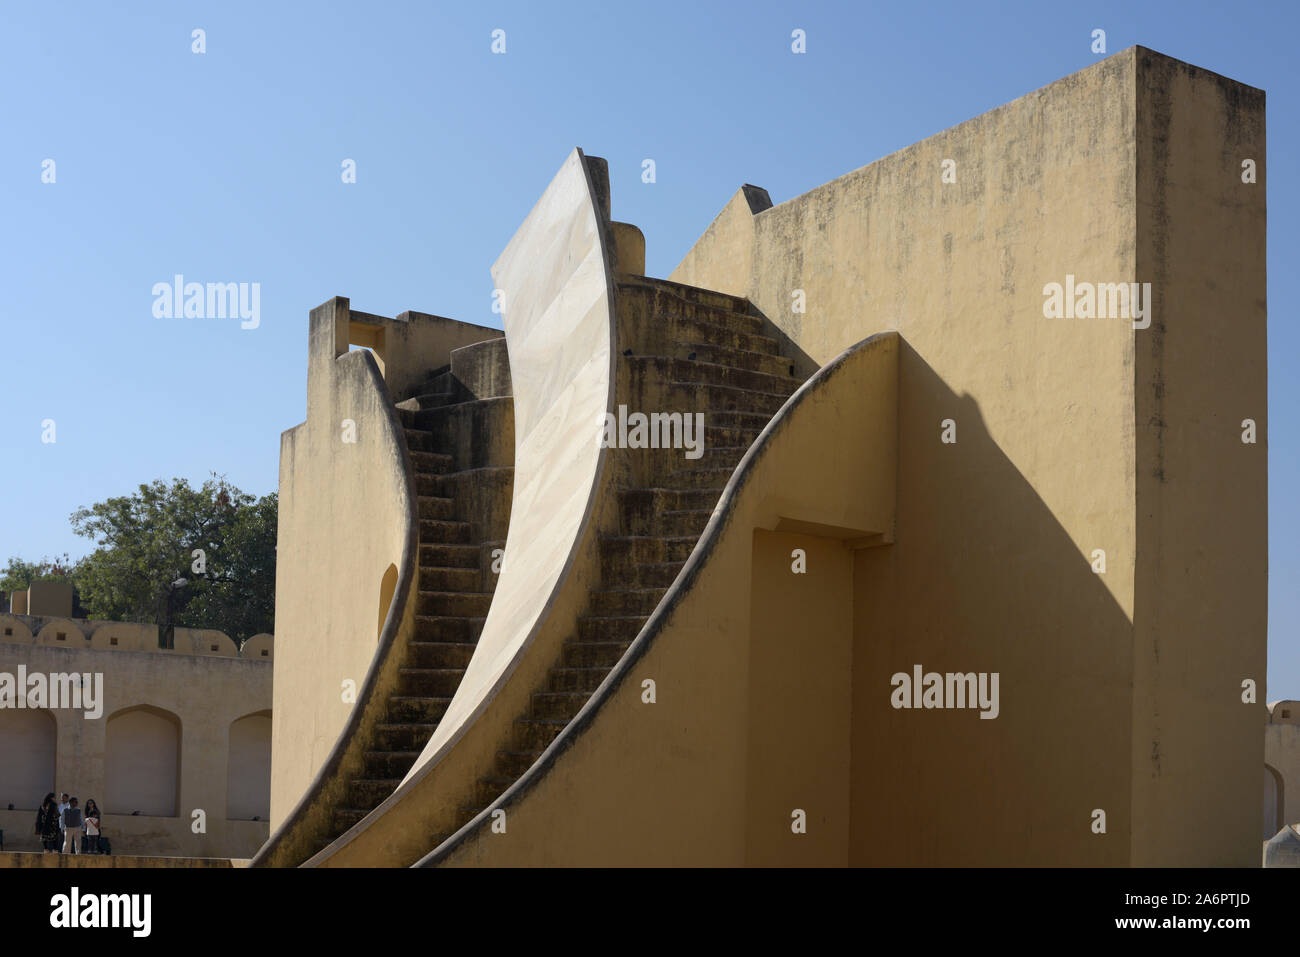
<point>347,515</point>
<point>1200,613</point>
<point>1072,435</point>
<point>200,696</point>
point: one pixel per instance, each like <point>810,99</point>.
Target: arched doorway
<point>1274,802</point>
<point>142,761</point>
<point>248,771</point>
<point>28,738</point>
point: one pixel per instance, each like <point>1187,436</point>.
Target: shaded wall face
<point>800,697</point>
<point>1202,525</point>
<point>983,580</point>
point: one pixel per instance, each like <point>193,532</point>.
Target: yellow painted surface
<point>694,778</point>
<point>346,513</point>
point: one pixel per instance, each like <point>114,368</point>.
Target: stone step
<point>415,710</point>
<point>436,507</point>
<point>345,818</point>
<point>388,764</point>
<point>651,500</point>
<point>369,793</point>
<point>441,578</point>
<point>445,484</point>
<point>431,463</point>
<point>625,601</point>
<point>411,736</point>
<point>429,400</point>
<point>483,495</point>
<point>513,764</point>
<point>439,654</point>
<point>449,556</point>
<point>585,680</point>
<point>592,654</point>
<point>620,553</point>
<point>448,628</point>
<point>705,398</point>
<point>716,479</point>
<point>557,704</point>
<point>536,734</point>
<point>714,457</point>
<point>708,297</point>
<point>487,790</point>
<point>453,604</point>
<point>437,531</point>
<point>717,437</point>
<point>666,368</point>
<point>428,682</point>
<point>776,365</point>
<point>478,433</point>
<point>754,422</point>
<point>609,627</point>
<point>418,440</point>
<point>667,332</point>
<point>656,574</point>
<point>675,523</point>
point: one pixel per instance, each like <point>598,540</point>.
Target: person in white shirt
<point>92,826</point>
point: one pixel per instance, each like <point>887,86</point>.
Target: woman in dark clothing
<point>92,826</point>
<point>47,824</point>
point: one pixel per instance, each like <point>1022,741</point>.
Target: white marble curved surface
<point>558,313</point>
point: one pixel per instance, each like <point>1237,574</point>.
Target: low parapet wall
<point>127,636</point>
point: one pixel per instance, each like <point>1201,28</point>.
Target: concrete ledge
<point>19,859</point>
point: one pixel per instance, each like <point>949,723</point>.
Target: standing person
<point>47,825</point>
<point>62,806</point>
<point>71,827</point>
<point>92,826</point>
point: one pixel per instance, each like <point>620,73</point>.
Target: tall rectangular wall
<point>1200,618</point>
<point>1037,538</point>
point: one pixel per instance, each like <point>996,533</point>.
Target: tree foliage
<point>18,574</point>
<point>174,554</point>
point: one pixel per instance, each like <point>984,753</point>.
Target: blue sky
<point>226,166</point>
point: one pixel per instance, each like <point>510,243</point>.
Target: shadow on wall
<point>983,578</point>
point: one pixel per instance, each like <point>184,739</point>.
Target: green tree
<point>176,555</point>
<point>18,574</point>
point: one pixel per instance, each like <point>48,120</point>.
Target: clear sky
<point>225,166</point>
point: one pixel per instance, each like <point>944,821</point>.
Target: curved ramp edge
<point>557,280</point>
<point>825,466</point>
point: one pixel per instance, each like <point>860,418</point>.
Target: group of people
<point>64,825</point>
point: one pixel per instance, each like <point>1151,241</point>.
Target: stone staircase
<point>684,349</point>
<point>460,435</point>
